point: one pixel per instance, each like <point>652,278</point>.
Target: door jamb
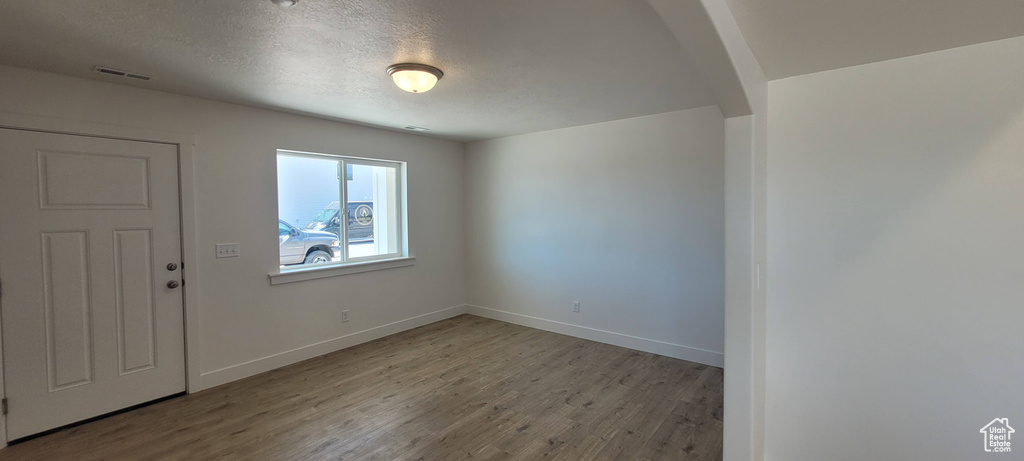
<point>186,144</point>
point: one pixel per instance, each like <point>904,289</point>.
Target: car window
<point>283,229</point>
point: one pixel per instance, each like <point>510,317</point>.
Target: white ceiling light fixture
<point>285,2</point>
<point>415,78</point>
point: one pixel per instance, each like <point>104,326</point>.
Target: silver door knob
<point>172,284</point>
<point>172,267</point>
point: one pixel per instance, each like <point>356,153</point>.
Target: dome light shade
<point>415,78</point>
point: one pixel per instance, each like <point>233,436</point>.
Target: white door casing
<point>87,229</point>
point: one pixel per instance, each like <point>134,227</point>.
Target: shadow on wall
<point>895,216</point>
<point>626,217</point>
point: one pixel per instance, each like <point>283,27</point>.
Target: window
<point>334,210</point>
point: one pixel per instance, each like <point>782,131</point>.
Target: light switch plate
<point>227,250</point>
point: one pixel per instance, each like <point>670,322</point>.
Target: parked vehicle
<point>301,246</point>
<point>360,221</point>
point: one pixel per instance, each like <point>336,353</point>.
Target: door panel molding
<point>66,262</point>
<point>61,175</point>
<point>134,309</point>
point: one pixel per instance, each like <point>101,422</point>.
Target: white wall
<point>896,241</point>
<point>244,319</point>
<point>626,216</point>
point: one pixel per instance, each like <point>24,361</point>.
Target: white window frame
<point>399,258</point>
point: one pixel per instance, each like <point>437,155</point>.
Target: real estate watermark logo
<point>997,435</point>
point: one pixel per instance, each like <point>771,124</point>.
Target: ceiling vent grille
<point>121,73</point>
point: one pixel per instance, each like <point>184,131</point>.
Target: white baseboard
<point>255,367</point>
<point>693,354</point>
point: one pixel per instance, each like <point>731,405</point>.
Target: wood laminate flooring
<point>463,388</point>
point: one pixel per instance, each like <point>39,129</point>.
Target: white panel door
<point>91,310</point>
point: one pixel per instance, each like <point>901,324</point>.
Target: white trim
<point>361,160</point>
<point>3,393</point>
<point>678,351</point>
<point>186,179</point>
<point>271,362</point>
<point>342,206</point>
<point>334,270</point>
<point>189,264</point>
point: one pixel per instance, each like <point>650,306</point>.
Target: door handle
<point>172,267</point>
<point>172,284</point>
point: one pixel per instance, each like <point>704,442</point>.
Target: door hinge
<point>3,406</point>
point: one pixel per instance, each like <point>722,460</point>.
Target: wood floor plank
<point>463,388</point>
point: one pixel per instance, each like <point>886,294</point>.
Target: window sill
<point>335,270</point>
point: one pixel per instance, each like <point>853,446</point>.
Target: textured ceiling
<point>510,67</point>
<point>795,37</point>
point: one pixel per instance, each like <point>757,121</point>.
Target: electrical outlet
<point>575,306</point>
<point>344,316</point>
<point>227,250</point>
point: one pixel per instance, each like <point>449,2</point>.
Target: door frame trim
<point>186,144</point>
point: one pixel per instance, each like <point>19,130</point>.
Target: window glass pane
<point>372,211</point>
<point>308,194</point>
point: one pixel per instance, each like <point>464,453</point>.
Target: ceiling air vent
<point>121,73</point>
<point>415,128</point>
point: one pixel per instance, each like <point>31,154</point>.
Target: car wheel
<point>317,257</point>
